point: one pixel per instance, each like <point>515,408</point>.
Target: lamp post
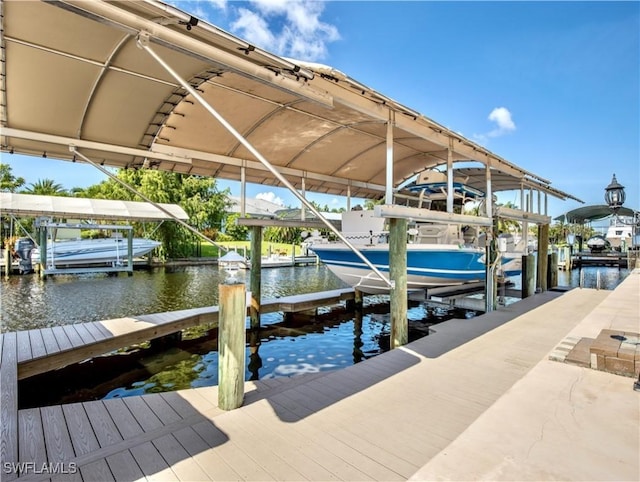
<point>615,197</point>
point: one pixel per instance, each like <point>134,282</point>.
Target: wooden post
<point>543,252</point>
<point>231,345</point>
<point>7,262</point>
<point>552,271</point>
<point>43,252</point>
<point>255,283</point>
<point>398,275</point>
<point>491,284</point>
<point>358,298</point>
<point>528,275</point>
<point>130,252</point>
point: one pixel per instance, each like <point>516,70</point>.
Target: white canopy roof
<point>74,76</point>
<point>33,205</point>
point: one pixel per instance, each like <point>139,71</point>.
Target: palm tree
<point>46,187</point>
<point>9,182</point>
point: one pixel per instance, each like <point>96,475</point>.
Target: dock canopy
<point>33,205</point>
<point>107,80</point>
<point>592,213</point>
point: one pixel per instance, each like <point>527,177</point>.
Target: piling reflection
<point>358,355</point>
<point>255,362</point>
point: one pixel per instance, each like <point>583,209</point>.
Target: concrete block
<point>619,366</point>
<point>626,353</point>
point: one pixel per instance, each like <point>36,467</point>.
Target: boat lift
<point>46,228</point>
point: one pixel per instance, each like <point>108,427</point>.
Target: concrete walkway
<point>559,422</point>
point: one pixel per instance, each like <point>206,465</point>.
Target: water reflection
<point>28,302</point>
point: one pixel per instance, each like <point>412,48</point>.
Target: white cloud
<point>271,197</point>
<point>291,28</point>
<point>502,117</point>
<point>504,125</point>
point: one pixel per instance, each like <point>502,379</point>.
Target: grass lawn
<point>209,250</point>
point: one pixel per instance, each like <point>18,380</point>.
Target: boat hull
<point>107,251</point>
<point>427,265</point>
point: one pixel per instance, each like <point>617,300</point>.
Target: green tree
<point>45,187</point>
<point>233,229</point>
<point>8,182</point>
<point>198,196</point>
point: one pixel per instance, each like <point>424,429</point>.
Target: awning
<point>74,76</point>
<point>592,213</point>
<point>32,205</point>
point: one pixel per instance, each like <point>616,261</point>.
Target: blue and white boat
<point>437,254</point>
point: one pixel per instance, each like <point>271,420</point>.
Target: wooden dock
<point>370,421</point>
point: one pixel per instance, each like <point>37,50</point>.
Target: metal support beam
<point>144,44</point>
<point>388,198</point>
<point>243,191</point>
<point>450,177</point>
<point>418,214</point>
<point>303,211</point>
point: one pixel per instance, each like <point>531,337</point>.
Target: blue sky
<point>553,87</point>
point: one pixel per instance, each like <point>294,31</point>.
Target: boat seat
<point>432,234</point>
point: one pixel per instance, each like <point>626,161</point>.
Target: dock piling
<point>231,345</point>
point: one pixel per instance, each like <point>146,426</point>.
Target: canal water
<point>331,340</point>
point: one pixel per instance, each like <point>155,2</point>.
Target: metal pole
<point>143,43</point>
<point>388,198</point>
<point>243,193</point>
<point>450,176</point>
<point>138,193</point>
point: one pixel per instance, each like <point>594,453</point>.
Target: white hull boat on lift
<point>437,254</point>
<point>87,252</point>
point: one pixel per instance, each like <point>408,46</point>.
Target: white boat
<point>620,235</point>
<point>598,244</point>
<point>437,254</point>
<point>86,252</point>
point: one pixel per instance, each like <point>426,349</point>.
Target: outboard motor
<point>23,248</point>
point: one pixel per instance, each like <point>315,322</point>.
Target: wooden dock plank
<point>98,471</point>
<point>100,327</point>
<point>72,334</point>
<point>151,463</point>
<point>124,467</point>
<point>9,402</point>
<point>161,408</point>
<point>209,460</point>
<point>179,404</point>
<point>123,418</point>
<point>85,335</point>
<point>50,342</point>
<point>237,459</point>
<point>24,346</point>
<point>178,458</point>
<point>96,332</point>
<point>333,461</point>
<point>268,456</point>
<point>31,437</point>
<point>103,426</point>
<point>56,435</point>
<point>61,338</point>
<point>142,413</point>
<point>298,450</point>
<point>37,344</point>
<point>82,437</point>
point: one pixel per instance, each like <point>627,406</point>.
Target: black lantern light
<point>614,194</point>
